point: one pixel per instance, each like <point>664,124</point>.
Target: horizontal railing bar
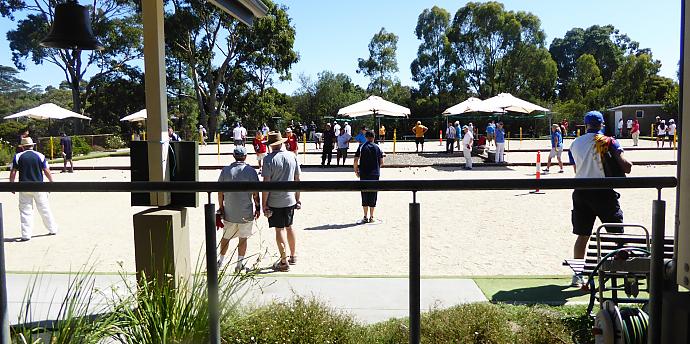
<point>349,185</point>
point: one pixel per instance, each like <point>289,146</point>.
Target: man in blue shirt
<point>500,143</point>
<point>556,147</point>
<point>367,165</point>
<point>31,166</point>
<point>490,132</point>
<point>66,144</point>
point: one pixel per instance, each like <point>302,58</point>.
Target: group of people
<point>239,210</point>
<point>631,129</point>
<point>663,130</point>
<point>463,137</point>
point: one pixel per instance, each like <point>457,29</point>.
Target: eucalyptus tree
<point>382,62</point>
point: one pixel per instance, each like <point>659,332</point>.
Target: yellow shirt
<point>419,130</point>
<point>382,130</point>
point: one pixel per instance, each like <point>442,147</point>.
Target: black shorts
<point>281,217</point>
<point>590,204</point>
<point>67,156</point>
<point>419,140</point>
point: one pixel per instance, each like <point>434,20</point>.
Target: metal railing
<point>413,186</point>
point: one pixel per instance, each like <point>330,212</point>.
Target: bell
<point>71,29</point>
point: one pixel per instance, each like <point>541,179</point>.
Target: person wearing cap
<point>202,134</point>
<point>32,165</point>
<point>419,130</point>
<point>336,128</point>
<point>367,166</point>
<point>556,148</point>
<point>591,155</point>
<point>66,145</point>
<point>348,128</point>
<point>500,143</point>
<point>291,141</point>
<point>671,131</point>
<point>238,209</point>
<point>635,131</point>
<point>467,141</point>
<point>279,206</point>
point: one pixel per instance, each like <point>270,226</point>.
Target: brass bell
<point>71,29</point>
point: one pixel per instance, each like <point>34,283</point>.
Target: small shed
<point>645,113</point>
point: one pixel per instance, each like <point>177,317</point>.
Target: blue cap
<point>594,117</point>
<point>239,151</point>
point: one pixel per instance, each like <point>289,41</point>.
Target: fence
<point>658,223</point>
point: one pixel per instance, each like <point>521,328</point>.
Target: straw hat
<point>274,138</point>
<point>26,141</point>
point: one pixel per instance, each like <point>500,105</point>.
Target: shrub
<point>80,146</point>
<point>6,153</point>
<point>114,142</point>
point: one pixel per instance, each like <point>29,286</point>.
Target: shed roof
<point>628,106</point>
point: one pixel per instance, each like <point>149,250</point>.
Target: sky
<point>332,35</point>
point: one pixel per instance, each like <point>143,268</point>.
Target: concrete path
<point>368,299</point>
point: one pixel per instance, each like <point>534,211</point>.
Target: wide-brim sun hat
<point>26,141</point>
<point>275,138</point>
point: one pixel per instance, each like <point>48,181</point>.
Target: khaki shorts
<point>556,152</point>
<point>260,156</point>
<point>234,230</point>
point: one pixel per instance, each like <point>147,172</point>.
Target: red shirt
<point>259,146</point>
<point>291,143</point>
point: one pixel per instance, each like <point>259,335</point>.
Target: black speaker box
<point>183,164</point>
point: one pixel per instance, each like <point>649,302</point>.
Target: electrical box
<point>183,164</point>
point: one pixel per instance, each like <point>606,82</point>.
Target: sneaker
<point>241,269</point>
<point>24,239</point>
<point>371,220</point>
<point>292,260</point>
<point>561,171</point>
<point>363,220</point>
<point>545,171</point>
<point>578,281</point>
<point>219,264</point>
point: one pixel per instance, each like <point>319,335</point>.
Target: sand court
<point>463,233</point>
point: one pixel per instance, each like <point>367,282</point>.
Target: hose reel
<point>614,325</point>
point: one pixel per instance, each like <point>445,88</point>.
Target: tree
<point>430,68</point>
<point>636,81</point>
<point>605,43</point>
<point>324,97</point>
<point>115,96</point>
<point>586,77</point>
<point>225,59</point>
<point>381,63</point>
<point>115,23</point>
<point>487,42</point>
<point>671,104</point>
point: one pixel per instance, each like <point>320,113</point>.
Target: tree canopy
<point>382,62</point>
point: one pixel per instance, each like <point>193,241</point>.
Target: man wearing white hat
<point>31,166</point>
<point>202,134</point>
<point>279,206</point>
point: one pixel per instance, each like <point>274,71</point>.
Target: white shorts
<point>555,151</point>
<point>234,230</point>
<point>260,156</point>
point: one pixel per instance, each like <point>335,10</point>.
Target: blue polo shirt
<point>558,137</point>
<point>500,136</point>
<point>30,165</point>
<point>369,155</point>
<point>490,129</point>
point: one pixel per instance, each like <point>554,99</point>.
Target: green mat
<point>552,291</point>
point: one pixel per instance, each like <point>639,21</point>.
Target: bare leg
<point>71,166</point>
<point>241,247</point>
<point>371,212</point>
<point>281,240</point>
<point>580,246</point>
<point>560,162</point>
<point>292,241</point>
<point>224,243</point>
<point>366,210</point>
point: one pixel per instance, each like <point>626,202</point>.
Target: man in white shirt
<point>336,128</point>
<point>587,155</point>
<point>619,128</point>
<point>628,125</point>
<point>348,128</point>
<point>467,141</point>
<point>239,135</point>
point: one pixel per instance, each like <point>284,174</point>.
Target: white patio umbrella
<point>135,117</point>
<point>47,111</point>
<point>471,104</point>
<point>374,105</point>
<point>508,102</point>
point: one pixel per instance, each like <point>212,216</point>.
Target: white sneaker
<point>578,281</point>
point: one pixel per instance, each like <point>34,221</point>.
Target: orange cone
<point>538,168</point>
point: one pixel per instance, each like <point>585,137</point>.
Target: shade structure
<point>47,111</point>
<point>470,105</point>
<point>508,102</point>
<point>374,105</point>
<point>140,115</point>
